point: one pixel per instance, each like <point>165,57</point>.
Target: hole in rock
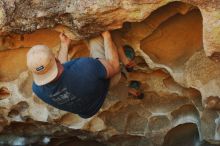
<point>4,92</point>
<point>169,36</point>
<point>184,135</point>
<point>212,102</point>
<point>19,107</point>
<point>177,38</point>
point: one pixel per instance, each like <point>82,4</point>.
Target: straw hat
<point>41,61</point>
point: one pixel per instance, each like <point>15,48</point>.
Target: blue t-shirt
<point>81,89</point>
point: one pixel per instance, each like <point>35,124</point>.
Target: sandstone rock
<point>25,84</point>
<point>172,85</point>
<point>179,115</point>
<point>86,22</point>
<point>3,111</point>
<point>68,119</point>
<point>11,68</point>
<point>38,112</point>
<point>18,108</point>
<point>189,32</point>
<point>95,125</point>
<point>116,120</point>
<point>185,134</point>
<point>171,39</point>
<point>13,113</point>
<point>127,140</point>
<point>195,97</point>
<point>137,125</point>
<point>118,93</point>
<point>218,130</point>
<point>3,123</point>
<point>213,103</point>
<point>208,125</point>
<point>203,74</point>
<point>119,116</point>
<point>157,123</point>
<point>4,93</point>
<point>163,104</point>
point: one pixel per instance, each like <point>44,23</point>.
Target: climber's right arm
<point>64,47</point>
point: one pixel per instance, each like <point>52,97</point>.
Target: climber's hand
<point>106,34</point>
<point>64,39</point>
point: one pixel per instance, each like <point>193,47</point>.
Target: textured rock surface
<point>172,41</point>
<point>88,17</point>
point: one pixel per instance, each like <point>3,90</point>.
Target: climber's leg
<point>96,47</point>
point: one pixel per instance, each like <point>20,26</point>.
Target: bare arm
<point>122,56</point>
<point>64,47</point>
<point>111,62</point>
<point>120,44</point>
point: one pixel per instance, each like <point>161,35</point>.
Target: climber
<point>78,86</point>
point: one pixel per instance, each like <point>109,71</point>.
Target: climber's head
<point>42,63</point>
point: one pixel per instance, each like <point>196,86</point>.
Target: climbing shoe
<point>135,90</point>
<point>130,54</point>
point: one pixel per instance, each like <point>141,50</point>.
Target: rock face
<point>177,49</point>
<point>86,18</point>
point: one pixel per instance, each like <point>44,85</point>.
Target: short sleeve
<point>36,90</point>
<point>102,70</point>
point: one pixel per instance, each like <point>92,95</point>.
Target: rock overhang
<point>83,19</point>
